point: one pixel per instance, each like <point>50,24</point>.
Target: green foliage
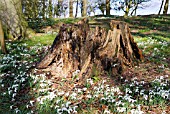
<point>37,24</point>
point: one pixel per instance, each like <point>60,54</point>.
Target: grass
<point>142,89</point>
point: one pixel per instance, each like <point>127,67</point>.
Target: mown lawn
<point>142,89</point>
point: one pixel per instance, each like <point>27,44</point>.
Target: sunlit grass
<point>41,39</point>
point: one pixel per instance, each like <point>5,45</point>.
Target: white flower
<point>90,81</point>
<point>67,94</point>
<point>163,112</point>
<point>133,111</point>
<point>161,77</point>
<point>11,106</point>
<point>61,93</point>
<point>14,86</point>
<point>2,85</point>
<point>121,109</point>
<point>52,95</point>
<point>84,89</point>
<point>145,97</point>
<point>68,103</point>
<point>79,90</point>
<point>64,109</point>
<point>107,111</point>
<point>56,107</point>
<point>14,94</point>
<point>73,96</point>
<point>89,96</point>
<point>31,102</point>
<point>17,110</point>
<point>103,81</point>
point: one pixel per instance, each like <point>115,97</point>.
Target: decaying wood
<point>77,47</point>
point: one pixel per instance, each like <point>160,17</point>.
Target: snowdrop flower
<point>67,94</point>
<point>128,90</point>
<point>31,102</point>
<point>15,85</point>
<point>52,95</point>
<point>106,111</point>
<point>43,85</point>
<point>17,110</point>
<point>145,97</point>
<point>76,72</point>
<point>165,94</point>
<point>64,109</point>
<point>14,94</point>
<point>73,95</point>
<point>161,77</point>
<point>9,92</point>
<point>84,89</point>
<point>103,81</point>
<point>61,93</point>
<point>11,106</point>
<point>79,90</point>
<point>121,109</point>
<point>56,107</point>
<point>74,109</point>
<point>2,85</point>
<point>90,81</point>
<point>89,96</point>
<point>103,98</point>
<point>68,103</point>
<point>163,112</point>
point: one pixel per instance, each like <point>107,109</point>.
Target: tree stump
<point>77,47</point>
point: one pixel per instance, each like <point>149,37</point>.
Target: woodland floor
<point>142,89</point>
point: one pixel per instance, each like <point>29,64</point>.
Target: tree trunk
<point>77,47</point>
<point>166,7</point>
<point>128,4</point>
<point>161,7</point>
<point>77,3</point>
<point>84,8</point>
<point>50,9</point>
<point>43,9</point>
<point>2,39</point>
<point>71,8</point>
<point>107,7</point>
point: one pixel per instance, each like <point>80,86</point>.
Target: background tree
<point>2,39</point>
<point>84,8</point>
<point>22,24</point>
<point>11,15</point>
<point>161,7</point>
<point>166,7</point>
<point>77,4</point>
<point>50,9</point>
<point>107,7</point>
<point>129,6</point>
<point>71,8</point>
<point>102,6</point>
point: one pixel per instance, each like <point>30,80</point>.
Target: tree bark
<point>50,9</point>
<point>77,3</point>
<point>43,9</point>
<point>71,8</point>
<point>161,7</point>
<point>77,47</point>
<point>84,8</point>
<point>128,4</point>
<point>107,7</point>
<point>166,7</point>
<point>2,39</point>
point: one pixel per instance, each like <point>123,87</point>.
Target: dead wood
<point>79,48</point>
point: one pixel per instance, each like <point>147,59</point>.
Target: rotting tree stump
<point>77,47</point>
